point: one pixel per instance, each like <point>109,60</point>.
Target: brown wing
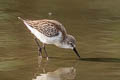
<point>49,28</point>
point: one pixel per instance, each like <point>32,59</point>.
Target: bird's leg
<point>39,48</point>
<point>46,55</point>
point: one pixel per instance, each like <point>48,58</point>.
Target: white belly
<point>43,38</point>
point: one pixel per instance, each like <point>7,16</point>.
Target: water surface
<point>95,25</point>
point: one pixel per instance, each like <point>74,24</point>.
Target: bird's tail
<point>27,25</point>
<point>21,19</point>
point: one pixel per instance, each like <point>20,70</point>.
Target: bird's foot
<point>39,59</point>
<point>47,58</point>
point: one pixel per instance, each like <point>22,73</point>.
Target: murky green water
<point>94,23</point>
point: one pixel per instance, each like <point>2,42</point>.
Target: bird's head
<point>70,43</point>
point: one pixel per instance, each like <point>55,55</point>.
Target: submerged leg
<point>46,55</point>
<point>39,48</point>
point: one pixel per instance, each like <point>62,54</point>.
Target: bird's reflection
<point>64,73</point>
<point>67,73</point>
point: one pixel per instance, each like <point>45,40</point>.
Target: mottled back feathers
<point>49,28</point>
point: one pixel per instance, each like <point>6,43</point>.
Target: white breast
<point>43,38</point>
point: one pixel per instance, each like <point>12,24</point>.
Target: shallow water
<point>95,24</point>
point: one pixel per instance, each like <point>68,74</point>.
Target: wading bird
<point>50,32</point>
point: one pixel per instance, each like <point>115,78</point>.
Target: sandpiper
<point>50,32</point>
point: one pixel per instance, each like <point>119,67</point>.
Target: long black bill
<point>74,49</point>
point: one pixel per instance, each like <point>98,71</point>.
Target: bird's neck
<point>62,44</point>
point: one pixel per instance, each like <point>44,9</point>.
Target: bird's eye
<point>71,44</point>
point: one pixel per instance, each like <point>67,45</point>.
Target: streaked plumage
<point>49,28</point>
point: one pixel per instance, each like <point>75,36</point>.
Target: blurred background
<point>94,23</point>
